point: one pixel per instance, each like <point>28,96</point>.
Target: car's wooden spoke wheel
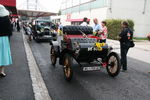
<point>53,56</point>
<point>67,63</point>
<point>113,66</point>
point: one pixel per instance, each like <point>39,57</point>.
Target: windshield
<point>43,23</point>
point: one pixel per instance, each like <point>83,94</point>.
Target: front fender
<point>56,47</point>
<point>62,55</point>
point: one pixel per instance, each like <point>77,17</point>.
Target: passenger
<point>103,32</point>
<point>5,33</point>
<point>97,27</point>
<point>85,22</point>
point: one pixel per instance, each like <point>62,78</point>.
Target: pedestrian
<point>97,27</point>
<point>5,32</point>
<point>85,22</point>
<point>103,32</point>
<point>29,32</point>
<point>125,37</point>
<point>18,26</point>
<point>148,36</point>
<point>60,28</point>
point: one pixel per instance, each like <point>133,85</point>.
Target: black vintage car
<point>44,30</point>
<point>79,45</point>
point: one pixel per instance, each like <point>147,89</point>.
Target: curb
<point>39,87</point>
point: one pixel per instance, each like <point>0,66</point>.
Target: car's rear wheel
<point>53,56</point>
<point>113,66</point>
<point>67,64</point>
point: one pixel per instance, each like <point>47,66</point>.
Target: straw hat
<point>3,11</point>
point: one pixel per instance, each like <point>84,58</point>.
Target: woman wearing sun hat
<point>5,32</point>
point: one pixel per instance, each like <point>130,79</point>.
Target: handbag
<point>131,44</point>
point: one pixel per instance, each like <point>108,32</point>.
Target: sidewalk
<point>141,51</point>
<point>17,84</point>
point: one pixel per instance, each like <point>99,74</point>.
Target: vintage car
<point>44,30</point>
<point>79,45</point>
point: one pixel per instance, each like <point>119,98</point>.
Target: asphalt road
<point>131,85</point>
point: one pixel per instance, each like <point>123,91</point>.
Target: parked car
<point>80,45</point>
<point>44,30</point>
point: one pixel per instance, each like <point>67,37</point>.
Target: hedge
<point>114,27</point>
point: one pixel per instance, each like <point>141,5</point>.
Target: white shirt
<point>84,24</point>
<point>97,27</point>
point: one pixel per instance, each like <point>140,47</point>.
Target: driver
<point>85,22</point>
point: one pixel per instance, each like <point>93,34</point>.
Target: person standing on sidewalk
<point>5,32</point>
<point>18,25</point>
<point>124,37</point>
<point>97,26</point>
<point>103,32</point>
<point>29,32</point>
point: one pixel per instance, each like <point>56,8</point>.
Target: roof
<point>12,9</point>
<point>30,13</point>
<point>55,17</point>
<point>8,3</point>
<point>76,20</point>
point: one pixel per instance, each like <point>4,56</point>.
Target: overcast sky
<point>46,5</point>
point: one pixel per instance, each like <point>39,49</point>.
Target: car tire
<point>67,67</point>
<point>53,56</point>
<point>114,65</point>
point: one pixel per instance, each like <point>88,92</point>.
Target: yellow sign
<point>99,46</point>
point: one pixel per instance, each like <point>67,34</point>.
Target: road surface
<point>131,85</point>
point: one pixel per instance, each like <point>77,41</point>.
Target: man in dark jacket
<point>124,37</point>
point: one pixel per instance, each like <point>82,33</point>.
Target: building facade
<point>55,19</point>
<point>73,12</point>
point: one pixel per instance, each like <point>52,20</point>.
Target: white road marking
<point>39,87</point>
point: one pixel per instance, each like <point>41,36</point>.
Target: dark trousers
<point>124,51</point>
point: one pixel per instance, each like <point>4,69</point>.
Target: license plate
<point>91,68</point>
<point>47,36</point>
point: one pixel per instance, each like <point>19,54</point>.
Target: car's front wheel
<point>113,66</point>
<point>53,56</point>
<point>67,67</point>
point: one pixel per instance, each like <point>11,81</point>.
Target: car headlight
<point>38,32</point>
<point>76,47</point>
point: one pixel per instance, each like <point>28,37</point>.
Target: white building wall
<point>100,14</point>
<point>132,9</point>
<point>63,20</point>
<point>120,9</point>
